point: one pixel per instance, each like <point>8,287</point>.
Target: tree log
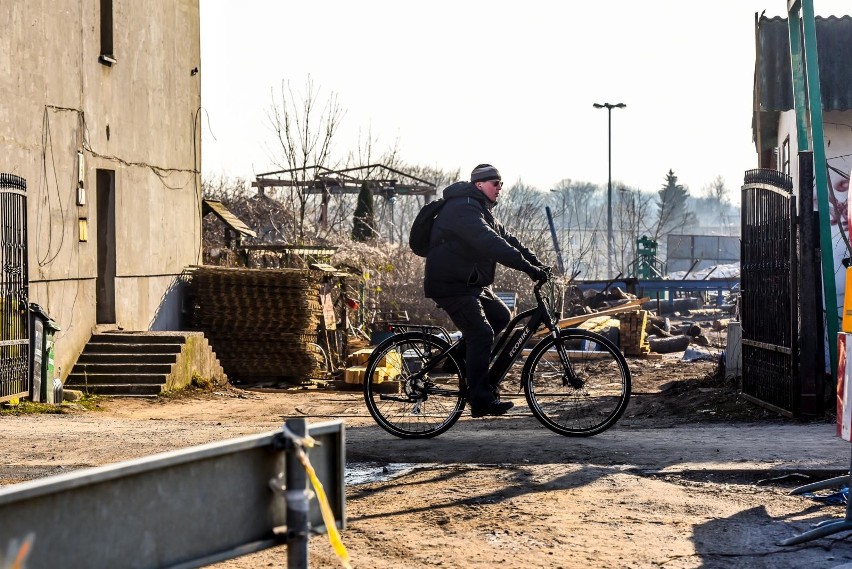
<point>669,345</point>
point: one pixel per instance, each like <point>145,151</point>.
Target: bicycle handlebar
<point>538,286</point>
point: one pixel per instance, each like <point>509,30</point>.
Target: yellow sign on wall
<point>846,325</point>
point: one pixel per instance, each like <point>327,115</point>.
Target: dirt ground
<point>677,483</point>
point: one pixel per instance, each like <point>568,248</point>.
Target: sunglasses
<point>497,183</point>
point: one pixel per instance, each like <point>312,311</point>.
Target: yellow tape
<point>18,563</point>
<point>327,514</point>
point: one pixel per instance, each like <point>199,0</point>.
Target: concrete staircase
<point>143,364</point>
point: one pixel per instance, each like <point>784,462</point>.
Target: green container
<point>43,388</point>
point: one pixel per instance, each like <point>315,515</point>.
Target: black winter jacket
<point>467,242</point>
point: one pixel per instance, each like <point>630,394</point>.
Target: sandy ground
<point>692,476</point>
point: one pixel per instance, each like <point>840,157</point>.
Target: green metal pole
<point>797,67</point>
<point>811,110</point>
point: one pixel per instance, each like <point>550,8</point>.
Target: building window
<point>107,56</point>
<point>785,156</point>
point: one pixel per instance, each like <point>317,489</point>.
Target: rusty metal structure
<point>382,180</point>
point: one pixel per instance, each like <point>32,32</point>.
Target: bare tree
<point>521,210</point>
<point>305,128</point>
<point>264,215</point>
<point>406,207</point>
<point>581,227</point>
<point>717,191</point>
<point>715,206</point>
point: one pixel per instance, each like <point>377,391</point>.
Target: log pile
<point>635,330</point>
<point>262,324</point>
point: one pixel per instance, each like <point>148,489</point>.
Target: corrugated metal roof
<point>774,78</point>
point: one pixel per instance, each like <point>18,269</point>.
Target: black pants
<point>479,319</point>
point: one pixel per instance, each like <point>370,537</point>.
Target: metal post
<point>148,509</point>
<point>811,351</point>
<point>559,262</point>
<point>297,500</point>
<point>609,241</point>
<point>807,96</point>
<point>609,194</point>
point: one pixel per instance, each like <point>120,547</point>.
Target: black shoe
<point>494,408</point>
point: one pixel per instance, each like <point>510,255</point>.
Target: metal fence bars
<point>14,285</point>
<point>769,287</point>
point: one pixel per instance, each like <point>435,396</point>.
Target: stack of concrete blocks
<point>632,333</point>
<point>388,369</point>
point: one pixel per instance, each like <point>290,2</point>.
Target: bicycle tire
<point>405,403</point>
<point>603,384</point>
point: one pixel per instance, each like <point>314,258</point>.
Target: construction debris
<point>640,331</point>
<point>633,333</point>
<point>574,321</point>
<point>670,344</point>
<point>262,323</point>
<point>388,368</point>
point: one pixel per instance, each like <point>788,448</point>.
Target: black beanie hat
<point>484,172</point>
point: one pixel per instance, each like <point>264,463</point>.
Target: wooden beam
<point>571,322</point>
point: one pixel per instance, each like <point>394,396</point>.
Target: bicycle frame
<point>510,342</point>
<point>513,339</point>
<point>572,398</point>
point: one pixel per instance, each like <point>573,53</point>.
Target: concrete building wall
<point>837,126</point>
<point>136,117</point>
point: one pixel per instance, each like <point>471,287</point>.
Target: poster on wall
<point>839,166</point>
<point>844,387</point>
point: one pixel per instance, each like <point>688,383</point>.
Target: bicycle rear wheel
<point>588,397</point>
<point>405,401</point>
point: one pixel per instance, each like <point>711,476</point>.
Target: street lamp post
<point>609,246</point>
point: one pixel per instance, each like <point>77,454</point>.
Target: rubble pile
<point>644,327</point>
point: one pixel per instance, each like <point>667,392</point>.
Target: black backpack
<point>421,229</point>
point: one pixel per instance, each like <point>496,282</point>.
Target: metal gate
<point>769,286</point>
<point>14,288</point>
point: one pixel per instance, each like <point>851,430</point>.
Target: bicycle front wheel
<point>405,401</point>
<point>584,398</point>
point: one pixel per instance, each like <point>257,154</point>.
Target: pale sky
<point>457,83</point>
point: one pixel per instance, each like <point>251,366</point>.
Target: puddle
<point>364,472</point>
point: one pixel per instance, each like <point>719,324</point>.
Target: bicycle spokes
<point>578,384</point>
<point>421,396</point>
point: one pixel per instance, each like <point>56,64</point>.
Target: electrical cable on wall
<point>160,171</point>
<point>47,143</point>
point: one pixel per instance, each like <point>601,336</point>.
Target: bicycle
<point>576,382</point>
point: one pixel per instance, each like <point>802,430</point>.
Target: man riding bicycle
<point>466,244</point>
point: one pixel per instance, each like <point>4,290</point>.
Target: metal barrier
<point>14,289</point>
<point>186,508</point>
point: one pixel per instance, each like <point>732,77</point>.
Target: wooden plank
<point>228,218</point>
<point>572,322</point>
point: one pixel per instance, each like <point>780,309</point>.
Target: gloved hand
<point>540,274</point>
